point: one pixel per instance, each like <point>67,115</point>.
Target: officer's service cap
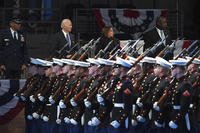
<point>57,61</point>
<point>106,62</point>
<point>162,62</point>
<point>93,61</point>
<point>16,20</point>
<point>81,64</point>
<point>179,62</point>
<point>123,62</point>
<point>44,63</point>
<point>195,61</point>
<point>149,60</point>
<point>68,61</point>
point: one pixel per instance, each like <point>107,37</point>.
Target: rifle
<point>81,50</point>
<point>152,85</point>
<point>134,52</point>
<point>168,47</point>
<point>120,50</point>
<point>82,93</point>
<point>93,93</point>
<point>188,50</point>
<point>102,52</point>
<point>24,95</point>
<point>168,89</point>
<point>60,89</point>
<point>26,86</point>
<point>193,57</point>
<point>72,89</point>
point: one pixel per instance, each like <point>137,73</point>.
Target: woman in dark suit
<point>107,37</point>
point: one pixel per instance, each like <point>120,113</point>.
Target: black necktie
<point>15,35</point>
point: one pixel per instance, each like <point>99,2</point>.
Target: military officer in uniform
<point>13,51</point>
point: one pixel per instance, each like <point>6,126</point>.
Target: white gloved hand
<point>36,115</point>
<point>141,118</point>
<point>62,104</point>
<point>90,123</point>
<point>67,120</point>
<point>173,125</point>
<point>51,100</point>
<point>134,122</point>
<point>41,98</point>
<point>100,99</point>
<point>95,121</point>
<point>73,103</point>
<point>29,117</point>
<point>74,122</point>
<point>23,97</point>
<point>157,124</point>
<point>156,107</point>
<point>32,99</point>
<point>58,121</point>
<point>87,103</point>
<point>115,124</point>
<point>139,103</point>
<point>45,118</point>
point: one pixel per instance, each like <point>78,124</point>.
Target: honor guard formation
<point>116,91</point>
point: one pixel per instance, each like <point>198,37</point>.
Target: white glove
<point>67,120</point>
<point>156,107</point>
<point>74,122</point>
<point>23,98</point>
<point>100,99</point>
<point>115,124</point>
<point>95,121</point>
<point>139,103</point>
<point>29,117</point>
<point>32,99</point>
<point>58,121</point>
<point>173,125</point>
<point>158,124</point>
<point>73,103</point>
<point>41,98</point>
<point>90,123</point>
<point>141,118</point>
<point>51,100</point>
<point>87,103</point>
<point>45,118</point>
<point>36,115</point>
<point>134,123</point>
<point>61,104</point>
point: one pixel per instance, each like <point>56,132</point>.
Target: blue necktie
<point>68,39</point>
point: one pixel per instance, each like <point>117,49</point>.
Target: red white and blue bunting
<point>9,105</point>
<point>130,21</point>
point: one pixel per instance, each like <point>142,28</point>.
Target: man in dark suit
<point>63,40</point>
<point>159,32</point>
<point>13,51</point>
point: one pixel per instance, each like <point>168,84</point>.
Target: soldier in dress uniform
<point>78,106</point>
<point>29,105</point>
<point>49,113</point>
<point>193,77</point>
<point>91,104</point>
<point>121,99</point>
<point>140,123</point>
<point>180,99</point>
<point>162,71</point>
